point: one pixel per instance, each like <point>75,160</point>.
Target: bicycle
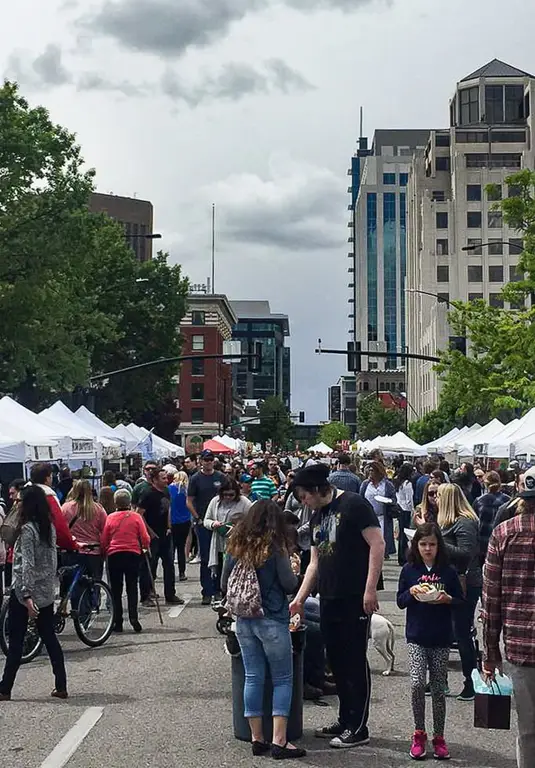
<point>93,617</point>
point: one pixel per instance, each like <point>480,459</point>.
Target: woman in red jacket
<point>41,475</point>
<point>124,539</point>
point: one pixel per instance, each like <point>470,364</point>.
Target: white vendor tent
<point>49,441</point>
<point>83,433</point>
<point>321,448</point>
<point>482,436</point>
<point>161,448</point>
<point>99,427</point>
<point>131,441</point>
<point>441,444</point>
<point>398,443</point>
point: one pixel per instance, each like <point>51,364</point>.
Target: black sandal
<point>260,748</point>
<point>283,753</point>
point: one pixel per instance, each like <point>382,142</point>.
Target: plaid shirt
<point>509,592</point>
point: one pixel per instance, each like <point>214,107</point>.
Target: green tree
<point>333,433</point>
<point>275,424</point>
<point>374,419</point>
<point>432,425</point>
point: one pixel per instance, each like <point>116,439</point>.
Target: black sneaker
<point>176,600</point>
<point>350,739</point>
<point>467,693</point>
<point>206,600</point>
<point>335,729</point>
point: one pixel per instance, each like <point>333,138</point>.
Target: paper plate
<point>383,499</point>
<point>428,597</point>
<point>409,533</point>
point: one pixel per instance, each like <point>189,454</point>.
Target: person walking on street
<point>346,560</point>
<point>154,505</point>
<point>124,539</point>
<point>405,499</point>
<point>86,520</point>
<point>180,519</point>
<point>375,488</point>
<point>33,590</point>
<point>486,508</point>
<point>202,488</point>
<point>509,607</point>
<point>262,485</point>
<point>343,478</point>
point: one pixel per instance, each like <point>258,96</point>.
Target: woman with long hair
<point>378,485</point>
<point>262,541</point>
<point>86,520</point>
<point>459,525</point>
<point>486,508</point>
<point>405,498</point>
<point>180,519</point>
<point>427,510</point>
<point>106,499</point>
<point>225,509</point>
<point>33,590</point>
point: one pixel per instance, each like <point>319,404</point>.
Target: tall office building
<point>257,324</point>
<point>135,215</point>
<point>490,137</point>
<point>379,237</point>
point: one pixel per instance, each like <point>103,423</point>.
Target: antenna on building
<point>213,247</point>
<point>361,132</point>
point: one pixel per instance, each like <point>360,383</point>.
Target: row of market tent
<point>76,438</point>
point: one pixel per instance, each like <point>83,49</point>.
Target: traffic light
<point>353,358</point>
<point>458,343</point>
<point>254,364</point>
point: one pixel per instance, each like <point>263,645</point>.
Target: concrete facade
<point>449,208</point>
<point>135,215</point>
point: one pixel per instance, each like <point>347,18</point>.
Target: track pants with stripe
<point>345,628</point>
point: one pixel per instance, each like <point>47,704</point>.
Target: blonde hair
<point>181,479</point>
<point>82,495</point>
<point>452,504</point>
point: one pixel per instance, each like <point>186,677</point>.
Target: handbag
<point>10,528</point>
<point>244,598</point>
<point>492,703</point>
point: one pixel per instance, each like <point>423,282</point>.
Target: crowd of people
<point>304,539</point>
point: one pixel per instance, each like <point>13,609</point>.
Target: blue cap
<point>246,479</point>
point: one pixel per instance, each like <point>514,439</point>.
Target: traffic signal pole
<point>357,353</point>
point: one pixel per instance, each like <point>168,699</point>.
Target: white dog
<point>383,636</point>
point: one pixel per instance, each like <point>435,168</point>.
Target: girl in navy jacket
<point>428,631</point>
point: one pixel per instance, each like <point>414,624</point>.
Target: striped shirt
<point>509,592</point>
<point>264,487</point>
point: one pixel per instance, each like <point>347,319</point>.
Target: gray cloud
<point>92,81</point>
<point>299,208</point>
<point>168,28</point>
<point>45,71</point>
<point>233,82</point>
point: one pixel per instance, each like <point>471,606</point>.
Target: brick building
<point>205,386</point>
<point>135,215</point>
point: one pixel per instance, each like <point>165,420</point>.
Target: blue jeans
<point>209,585</point>
<point>261,640</point>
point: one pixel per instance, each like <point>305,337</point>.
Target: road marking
<point>175,612</point>
<point>65,749</point>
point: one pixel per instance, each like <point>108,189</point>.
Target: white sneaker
<point>196,560</point>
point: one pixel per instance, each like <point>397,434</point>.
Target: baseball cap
<point>207,455</point>
<point>245,478</point>
<point>529,483</point>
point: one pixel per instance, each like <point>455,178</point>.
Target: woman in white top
<point>378,485</point>
<point>405,498</point>
<point>225,509</point>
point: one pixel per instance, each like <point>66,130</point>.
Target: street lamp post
<point>440,299</point>
<point>510,243</point>
<point>152,236</point>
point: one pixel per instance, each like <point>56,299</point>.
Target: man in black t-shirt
<point>154,506</point>
<point>346,560</point>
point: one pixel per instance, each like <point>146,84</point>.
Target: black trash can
<point>295,719</point>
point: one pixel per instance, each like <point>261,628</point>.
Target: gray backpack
<point>244,598</point>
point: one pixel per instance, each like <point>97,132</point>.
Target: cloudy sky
<point>253,105</point>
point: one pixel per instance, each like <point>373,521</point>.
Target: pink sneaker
<point>419,740</point>
<point>441,751</point>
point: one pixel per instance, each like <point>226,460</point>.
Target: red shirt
<point>64,538</point>
<point>124,531</point>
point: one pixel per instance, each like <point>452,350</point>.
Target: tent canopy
<point>216,447</point>
<point>321,448</point>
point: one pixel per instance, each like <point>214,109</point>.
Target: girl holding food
<point>428,587</point>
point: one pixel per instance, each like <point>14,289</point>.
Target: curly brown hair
<point>262,531</point>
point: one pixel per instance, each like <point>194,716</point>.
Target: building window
<point>438,196</point>
<point>197,343</point>
<point>442,247</point>
<point>472,137</point>
<point>508,137</point>
<point>494,107</point>
<point>496,300</point>
<point>473,192</point>
<point>403,179</point>
<point>365,386</point>
<point>474,296</point>
<point>197,367</point>
<point>495,219</point>
<point>371,261</point>
<point>197,318</point>
<point>494,192</point>
<point>496,274</point>
<point>477,242</point>
<point>514,275</point>
<point>495,247</point>
<point>197,415</point>
<point>197,391</point>
<point>516,245</point>
<point>442,220</point>
<point>514,103</point>
<point>475,273</point>
<point>502,160</point>
<point>389,179</point>
<point>442,164</point>
<point>469,98</point>
<point>442,140</point>
<point>514,191</point>
<point>473,219</point>
<point>404,151</point>
<point>443,274</point>
<point>390,274</point>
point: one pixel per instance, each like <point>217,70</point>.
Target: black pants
<point>160,549</point>
<point>180,535</point>
<point>403,542</point>
<point>18,623</point>
<point>345,629</point>
<point>463,621</point>
<point>124,567</point>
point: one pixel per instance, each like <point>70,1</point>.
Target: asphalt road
<point>162,699</point>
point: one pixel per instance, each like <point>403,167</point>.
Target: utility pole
<point>213,247</point>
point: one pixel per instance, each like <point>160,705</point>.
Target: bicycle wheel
<point>32,642</point>
<point>94,619</point>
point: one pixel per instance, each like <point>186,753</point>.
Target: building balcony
<point>351,285</point>
<point>350,224</point>
<point>351,239</point>
<point>351,300</point>
<point>351,269</point>
<point>349,172</point>
<point>350,206</point>
<point>350,255</point>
